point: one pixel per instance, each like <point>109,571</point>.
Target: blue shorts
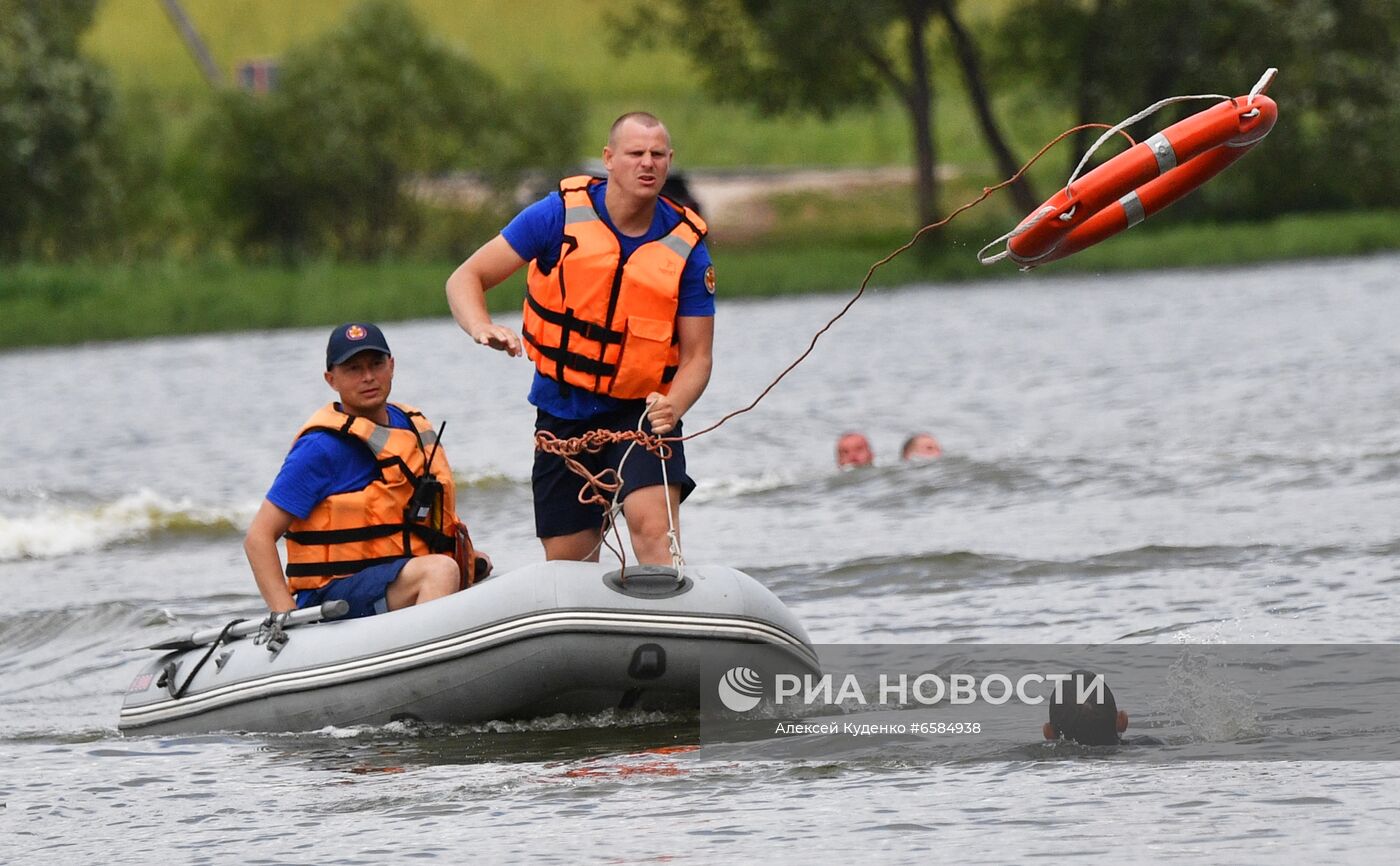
<point>557,509</point>
<point>363,589</point>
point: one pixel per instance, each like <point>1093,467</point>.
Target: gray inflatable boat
<point>557,637</point>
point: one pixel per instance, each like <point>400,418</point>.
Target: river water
<point>1190,456</point>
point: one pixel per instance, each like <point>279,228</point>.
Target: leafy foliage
<point>55,131</point>
<point>1338,94</point>
<point>321,164</point>
<point>779,56</point>
<point>824,58</point>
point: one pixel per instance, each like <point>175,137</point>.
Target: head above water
<point>921,446</point>
<point>852,450</point>
<point>1094,721</point>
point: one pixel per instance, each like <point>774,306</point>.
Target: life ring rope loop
<point>1142,180</point>
<point>1262,85</point>
<point>1124,124</point>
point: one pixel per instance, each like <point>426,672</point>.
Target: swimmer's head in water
<point>853,449</point>
<point>1093,721</point>
<point>921,446</point>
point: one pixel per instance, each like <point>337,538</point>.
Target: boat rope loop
<point>673,538</point>
<point>170,672</point>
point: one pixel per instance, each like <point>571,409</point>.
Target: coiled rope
<point>603,487</point>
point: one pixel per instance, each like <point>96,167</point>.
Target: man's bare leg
<point>645,510</point>
<point>423,578</point>
<point>578,546</point>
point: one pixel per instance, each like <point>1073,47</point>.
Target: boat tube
<point>556,637</point>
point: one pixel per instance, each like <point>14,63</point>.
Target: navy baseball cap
<point>351,339</point>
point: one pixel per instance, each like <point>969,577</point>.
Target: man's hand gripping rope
<point>602,488</point>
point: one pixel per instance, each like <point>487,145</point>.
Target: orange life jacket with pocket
<point>409,509</point>
<point>600,323</point>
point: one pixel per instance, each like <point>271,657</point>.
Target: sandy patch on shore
<point>733,201</point>
<point>736,199</point>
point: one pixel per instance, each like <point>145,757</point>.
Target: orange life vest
<point>347,532</point>
<point>601,324</point>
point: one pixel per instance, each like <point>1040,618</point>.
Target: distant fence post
<point>258,76</point>
<point>193,42</point>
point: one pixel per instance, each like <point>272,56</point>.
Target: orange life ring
<point>1142,180</point>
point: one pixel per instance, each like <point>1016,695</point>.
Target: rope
<point>986,192</point>
<point>178,693</point>
<point>1026,225</point>
<point>604,487</point>
<point>673,538</point>
<point>1045,210</point>
<point>1146,112</point>
<point>1262,85</point>
<point>1036,218</point>
<point>596,488</point>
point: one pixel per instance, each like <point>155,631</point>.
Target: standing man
<point>364,498</point>
<point>619,321</point>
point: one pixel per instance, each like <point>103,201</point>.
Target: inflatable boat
<point>557,637</point>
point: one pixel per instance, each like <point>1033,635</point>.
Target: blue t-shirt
<point>323,464</point>
<point>537,233</point>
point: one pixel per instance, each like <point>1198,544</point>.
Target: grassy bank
<point>63,304</point>
<point>541,40</point>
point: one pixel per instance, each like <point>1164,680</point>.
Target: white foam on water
<point>726,488</point>
<point>1201,692</point>
<point>611,718</point>
<point>487,480</point>
<point>55,530</point>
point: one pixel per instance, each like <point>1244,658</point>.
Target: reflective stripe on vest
<point>601,324</point>
<point>348,532</point>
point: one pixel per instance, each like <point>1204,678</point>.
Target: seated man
<point>852,450</point>
<point>364,498</point>
<point>920,447</point>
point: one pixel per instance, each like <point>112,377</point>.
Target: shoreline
<point>74,303</point>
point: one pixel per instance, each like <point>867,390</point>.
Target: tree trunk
<point>1086,104</point>
<point>966,51</point>
<point>918,97</point>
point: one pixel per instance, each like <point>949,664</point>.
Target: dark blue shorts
<point>364,590</point>
<point>557,509</point>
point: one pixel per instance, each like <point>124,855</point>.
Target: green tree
<point>323,163</point>
<point>56,187</point>
<point>1338,93</point>
<point>824,57</point>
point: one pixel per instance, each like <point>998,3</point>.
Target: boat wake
<point>59,525</point>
